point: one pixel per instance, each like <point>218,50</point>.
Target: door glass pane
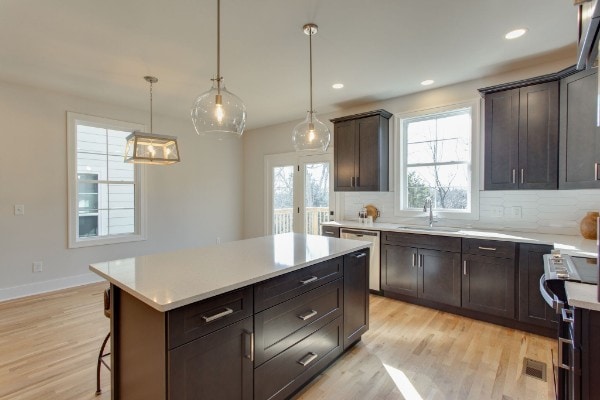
<point>283,199</point>
<point>316,196</point>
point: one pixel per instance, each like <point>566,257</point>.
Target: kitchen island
<point>256,318</point>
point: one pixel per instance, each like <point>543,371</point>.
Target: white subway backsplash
<point>544,211</point>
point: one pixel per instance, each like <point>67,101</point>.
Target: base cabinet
<point>399,273</point>
<point>532,307</point>
<point>356,298</point>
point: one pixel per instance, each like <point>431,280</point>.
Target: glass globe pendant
<point>219,112</point>
<point>311,134</point>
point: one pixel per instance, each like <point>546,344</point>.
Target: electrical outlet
<point>516,212</point>
<point>218,240</point>
<point>19,209</point>
<point>38,266</point>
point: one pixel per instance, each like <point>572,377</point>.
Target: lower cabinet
<point>356,298</point>
<point>532,307</point>
<point>220,364</point>
<point>423,273</point>
<point>488,280</point>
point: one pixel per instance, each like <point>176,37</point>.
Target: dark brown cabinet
<point>220,363</point>
<point>532,307</point>
<point>521,138</point>
<point>579,135</point>
<point>429,269</point>
<point>356,296</point>
<point>361,152</point>
<point>488,277</point>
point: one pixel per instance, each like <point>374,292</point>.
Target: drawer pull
<point>309,280</point>
<point>307,315</point>
<point>307,359</point>
<point>329,232</point>
<point>487,248</point>
<point>361,255</point>
<point>216,316</point>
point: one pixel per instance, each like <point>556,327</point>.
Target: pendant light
<point>311,134</point>
<point>151,148</point>
<point>219,112</point>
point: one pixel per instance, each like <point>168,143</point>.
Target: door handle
<point>210,318</point>
<point>250,335</point>
<point>421,260</point>
<point>522,175</point>
<point>514,175</point>
<point>309,280</point>
<point>307,359</point>
<point>414,260</point>
<point>465,267</point>
<point>595,171</point>
<point>307,315</point>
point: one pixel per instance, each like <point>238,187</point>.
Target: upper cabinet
<point>589,23</point>
<point>521,138</point>
<point>579,141</point>
<point>361,152</point>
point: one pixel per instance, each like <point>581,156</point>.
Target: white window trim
<point>140,187</point>
<point>400,160</point>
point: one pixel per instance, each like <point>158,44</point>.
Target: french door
<point>299,192</point>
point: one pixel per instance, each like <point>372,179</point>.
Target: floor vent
<point>535,369</point>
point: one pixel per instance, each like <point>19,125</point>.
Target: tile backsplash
<point>544,211</point>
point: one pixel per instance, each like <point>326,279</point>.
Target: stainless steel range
<point>568,268</point>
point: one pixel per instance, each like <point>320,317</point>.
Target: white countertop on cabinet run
<point>166,281</point>
<point>582,295</point>
<point>572,245</point>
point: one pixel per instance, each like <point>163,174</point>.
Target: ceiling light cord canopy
<point>218,112</point>
<point>151,148</point>
<point>311,134</point>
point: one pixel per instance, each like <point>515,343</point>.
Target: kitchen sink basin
<point>429,228</point>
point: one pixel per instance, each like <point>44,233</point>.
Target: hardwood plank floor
<point>49,344</point>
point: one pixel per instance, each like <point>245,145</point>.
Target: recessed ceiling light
<point>427,82</point>
<point>337,85</point>
<point>517,33</point>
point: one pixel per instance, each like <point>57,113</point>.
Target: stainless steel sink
<point>429,228</point>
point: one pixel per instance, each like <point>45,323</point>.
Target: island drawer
<point>433,242</point>
<point>284,287</point>
<point>491,248</point>
<point>279,327</point>
<point>285,373</point>
<point>198,319</point>
<point>331,231</point>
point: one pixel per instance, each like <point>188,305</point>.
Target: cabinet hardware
<point>307,315</point>
<point>465,267</point>
<point>567,315</point>
<point>250,335</point>
<point>514,176</point>
<point>329,232</point>
<point>521,175</point>
<point>307,359</point>
<point>361,255</point>
<point>561,343</point>
<point>421,260</point>
<point>308,280</point>
<point>487,248</point>
<point>414,260</point>
<point>216,316</point>
<point>595,171</point>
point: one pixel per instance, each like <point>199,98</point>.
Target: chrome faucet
<point>428,204</point>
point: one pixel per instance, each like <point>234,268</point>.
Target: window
<point>437,160</point>
<point>105,194</point>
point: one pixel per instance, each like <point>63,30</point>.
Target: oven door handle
<point>550,299</point>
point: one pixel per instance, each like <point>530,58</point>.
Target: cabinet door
<point>372,154</point>
<point>399,269</point>
<point>344,151</point>
<point>501,140</point>
<point>579,141</point>
<point>215,366</point>
<point>488,285</point>
<point>538,136</point>
<point>532,307</point>
<point>356,296</point>
<point>439,276</point>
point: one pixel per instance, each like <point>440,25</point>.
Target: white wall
<point>189,204</point>
<point>536,211</point>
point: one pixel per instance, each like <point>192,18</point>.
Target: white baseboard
<point>29,289</point>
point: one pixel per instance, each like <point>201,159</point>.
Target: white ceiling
<point>379,49</point>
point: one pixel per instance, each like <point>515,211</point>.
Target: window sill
<point>89,242</point>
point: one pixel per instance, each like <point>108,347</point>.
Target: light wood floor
<point>49,345</point>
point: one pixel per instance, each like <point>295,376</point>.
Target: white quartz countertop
<point>572,245</point>
<point>170,280</point>
<point>582,295</point>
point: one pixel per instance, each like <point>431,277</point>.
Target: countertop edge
<point>582,295</point>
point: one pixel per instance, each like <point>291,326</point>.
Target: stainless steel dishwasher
<point>367,236</point>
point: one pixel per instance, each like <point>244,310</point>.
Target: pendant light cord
<point>150,106</point>
<point>218,46</point>
<point>311,73</point>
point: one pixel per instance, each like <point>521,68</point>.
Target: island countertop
<point>170,280</point>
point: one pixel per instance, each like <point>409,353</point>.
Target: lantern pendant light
<point>151,148</point>
<point>219,112</point>
<point>311,134</point>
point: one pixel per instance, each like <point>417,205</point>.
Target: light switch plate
<point>19,209</point>
<point>516,212</point>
